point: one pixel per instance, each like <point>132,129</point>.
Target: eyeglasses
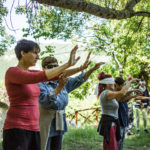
<point>49,66</point>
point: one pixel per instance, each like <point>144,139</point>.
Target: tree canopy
<point>5,39</point>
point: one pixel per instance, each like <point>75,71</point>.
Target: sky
<point>19,21</point>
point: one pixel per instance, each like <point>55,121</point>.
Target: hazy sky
<point>18,21</point>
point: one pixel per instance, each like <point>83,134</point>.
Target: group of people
<point>29,125</point>
<point>36,117</point>
<point>114,95</point>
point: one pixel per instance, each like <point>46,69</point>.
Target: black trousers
<point>54,143</point>
<point>18,139</point>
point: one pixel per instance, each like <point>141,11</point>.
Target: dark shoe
<point>146,131</point>
<point>137,131</point>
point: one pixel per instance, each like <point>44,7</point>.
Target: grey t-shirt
<point>109,107</point>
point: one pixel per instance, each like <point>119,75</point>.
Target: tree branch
<point>131,4</point>
<point>116,60</point>
<point>142,13</point>
<point>125,58</point>
<point>118,63</point>
<point>96,10</point>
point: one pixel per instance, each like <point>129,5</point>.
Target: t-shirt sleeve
<point>18,76</point>
<point>103,95</point>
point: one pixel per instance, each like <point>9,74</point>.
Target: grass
<point>0,145</point>
<point>87,138</point>
<point>138,141</point>
<point>82,139</point>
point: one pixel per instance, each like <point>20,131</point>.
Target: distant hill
<point>62,50</point>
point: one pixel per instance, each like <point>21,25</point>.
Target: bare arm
<point>97,66</point>
<point>142,98</point>
<point>127,98</point>
<point>70,72</point>
<point>118,95</point>
<point>115,95</point>
<point>84,66</point>
<point>134,90</point>
<point>51,73</point>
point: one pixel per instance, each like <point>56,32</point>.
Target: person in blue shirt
<point>54,99</point>
<point>123,109</point>
<point>122,112</point>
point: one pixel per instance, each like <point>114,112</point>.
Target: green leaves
<point>52,22</point>
<point>49,51</point>
<point>5,39</point>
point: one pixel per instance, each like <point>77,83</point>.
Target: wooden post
<point>76,117</point>
<point>97,116</point>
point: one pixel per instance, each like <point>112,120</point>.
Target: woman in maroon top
<point>21,127</point>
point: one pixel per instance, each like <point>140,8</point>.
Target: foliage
<point>49,51</point>
<point>52,22</point>
<point>88,87</point>
<point>5,39</point>
<point>128,40</point>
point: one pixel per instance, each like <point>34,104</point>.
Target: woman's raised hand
<point>72,60</point>
<point>97,65</point>
<point>62,80</point>
<point>86,63</point>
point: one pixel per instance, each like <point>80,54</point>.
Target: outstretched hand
<point>86,63</point>
<point>141,98</point>
<point>134,80</point>
<point>97,65</point>
<point>62,80</point>
<point>72,60</point>
<point>137,91</point>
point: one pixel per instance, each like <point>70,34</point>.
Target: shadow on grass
<point>139,141</point>
<point>88,139</point>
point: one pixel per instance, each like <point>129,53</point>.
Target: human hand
<point>86,63</point>
<point>137,91</point>
<point>142,105</point>
<point>134,80</point>
<point>97,65</point>
<point>62,80</point>
<point>148,109</point>
<point>72,60</point>
<point>129,77</point>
